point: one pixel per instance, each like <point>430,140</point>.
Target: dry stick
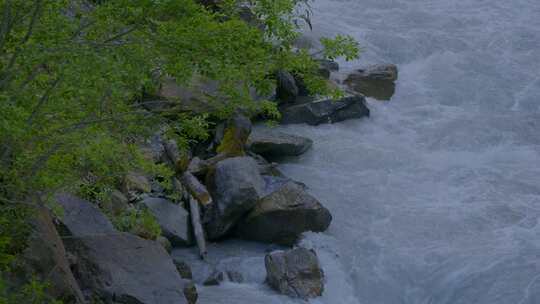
<point>196,188</point>
<point>197,227</point>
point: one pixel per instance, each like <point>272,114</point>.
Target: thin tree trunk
<point>197,227</point>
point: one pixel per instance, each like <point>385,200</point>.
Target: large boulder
<point>45,259</point>
<point>287,90</point>
<point>236,185</point>
<point>81,217</point>
<point>315,112</point>
<point>377,81</point>
<point>271,143</point>
<point>172,218</point>
<point>123,268</point>
<point>283,216</point>
<point>295,273</point>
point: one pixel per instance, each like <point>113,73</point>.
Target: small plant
<point>138,221</point>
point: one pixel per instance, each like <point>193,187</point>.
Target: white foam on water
<point>435,197</point>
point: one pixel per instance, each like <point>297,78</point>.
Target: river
<point>435,197</point>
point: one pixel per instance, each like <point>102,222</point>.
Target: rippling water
<point>436,197</point>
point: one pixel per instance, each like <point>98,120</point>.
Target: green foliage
<point>34,292</point>
<point>72,73</point>
<point>138,221</point>
<point>340,46</point>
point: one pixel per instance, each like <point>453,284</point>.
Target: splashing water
<point>436,197</point>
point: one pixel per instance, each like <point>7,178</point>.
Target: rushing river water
<point>436,197</point>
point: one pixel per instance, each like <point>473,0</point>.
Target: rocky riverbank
<point>227,189</point>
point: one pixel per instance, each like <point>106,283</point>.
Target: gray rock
<point>265,167</point>
<point>295,273</point>
<point>81,217</point>
<point>236,185</point>
<point>379,72</point>
<point>286,90</point>
<point>45,259</point>
<point>376,81</point>
<point>274,183</point>
<point>123,268</point>
<point>271,143</point>
<point>172,218</point>
<point>283,216</point>
<point>315,112</point>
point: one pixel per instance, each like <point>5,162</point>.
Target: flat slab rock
<point>295,273</point>
<point>123,268</point>
<point>283,216</point>
<point>81,217</point>
<point>272,143</point>
<point>316,112</point>
<point>172,218</point>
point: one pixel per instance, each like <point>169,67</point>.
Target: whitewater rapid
<point>435,197</point>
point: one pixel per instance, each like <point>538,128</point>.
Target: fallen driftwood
<point>197,227</point>
<point>200,167</point>
<point>196,188</point>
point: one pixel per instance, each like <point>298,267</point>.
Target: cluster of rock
<point>230,189</point>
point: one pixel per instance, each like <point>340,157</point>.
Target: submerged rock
<point>295,273</point>
<point>81,217</point>
<point>283,216</point>
<point>172,218</point>
<point>377,81</point>
<point>271,143</point>
<point>123,268</point>
<point>315,112</point>
<point>236,185</point>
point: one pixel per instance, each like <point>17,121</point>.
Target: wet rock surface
<point>236,186</point>
<point>272,143</point>
<point>377,81</point>
<point>316,112</point>
<point>295,273</point>
<point>283,216</point>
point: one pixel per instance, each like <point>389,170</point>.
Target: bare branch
<point>120,35</point>
<point>5,27</point>
<point>31,25</point>
<point>42,101</point>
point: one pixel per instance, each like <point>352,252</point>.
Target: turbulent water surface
<point>436,197</point>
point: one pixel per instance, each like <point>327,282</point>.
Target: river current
<point>436,196</point>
